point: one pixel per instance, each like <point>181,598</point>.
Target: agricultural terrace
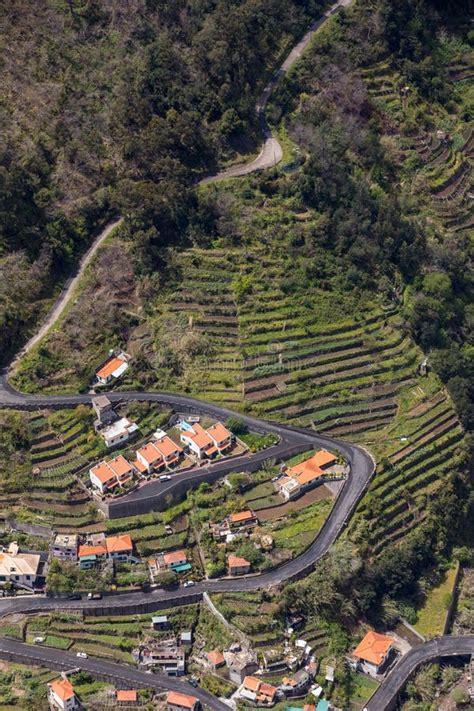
<point>47,483</point>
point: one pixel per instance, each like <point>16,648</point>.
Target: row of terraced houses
<point>161,454</point>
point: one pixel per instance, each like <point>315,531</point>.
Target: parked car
<point>189,584</point>
<point>165,477</point>
<point>81,655</point>
<point>94,596</point>
<point>74,596</point>
<point>39,640</point>
<point>192,681</point>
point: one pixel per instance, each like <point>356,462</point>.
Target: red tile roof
<point>176,698</point>
<point>236,562</point>
<point>218,432</point>
<point>167,447</point>
<point>252,683</point>
<point>119,544</point>
<point>109,367</point>
<point>216,657</point>
<point>126,695</point>
<point>241,516</point>
<point>373,647</point>
<point>91,550</point>
<point>174,557</point>
<point>63,689</point>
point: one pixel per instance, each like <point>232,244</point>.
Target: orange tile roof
<point>307,476</point>
<point>267,689</point>
<point>119,544</point>
<point>252,683</point>
<point>218,432</point>
<point>199,436</point>
<point>63,689</point>
<point>138,465</point>
<point>288,681</point>
<point>236,562</point>
<point>92,550</point>
<point>150,453</point>
<point>126,695</point>
<point>323,457</point>
<point>176,698</point>
<point>309,707</point>
<point>241,516</point>
<point>216,657</point>
<point>109,367</point>
<point>119,465</point>
<point>174,557</point>
<point>167,447</point>
<point>103,472</point>
<point>310,469</point>
<point>373,648</point>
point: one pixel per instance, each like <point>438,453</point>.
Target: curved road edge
<point>385,698</point>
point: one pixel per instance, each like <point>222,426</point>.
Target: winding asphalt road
<point>291,441</point>
<point>122,676</point>
<point>272,152</point>
<point>385,697</point>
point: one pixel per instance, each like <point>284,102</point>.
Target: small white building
<point>61,695</point>
<point>113,368</point>
<point>119,431</point>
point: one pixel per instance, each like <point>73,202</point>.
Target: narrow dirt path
<point>67,291</point>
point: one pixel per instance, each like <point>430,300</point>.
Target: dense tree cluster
<point>119,106</point>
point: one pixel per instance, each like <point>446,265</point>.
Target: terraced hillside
<point>413,468</point>
<point>60,448</point>
<point>439,157</point>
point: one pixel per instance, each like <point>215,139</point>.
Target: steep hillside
<point>117,106</point>
<point>313,293</point>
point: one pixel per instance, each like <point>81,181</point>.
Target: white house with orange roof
<point>206,443</point>
<point>237,565</point>
<point>150,458</point>
<point>198,441</point>
<point>174,559</point>
<point>170,451</point>
<point>373,653</point>
<point>119,547</point>
<point>305,475</point>
<point>221,436</point>
<point>113,368</point>
<point>106,476</point>
<point>61,695</point>
<point>158,454</point>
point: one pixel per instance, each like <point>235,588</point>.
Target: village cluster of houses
<point>166,653</point>
<point>62,697</point>
<point>161,454</point>
<point>297,480</point>
<point>95,549</point>
<point>241,522</point>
